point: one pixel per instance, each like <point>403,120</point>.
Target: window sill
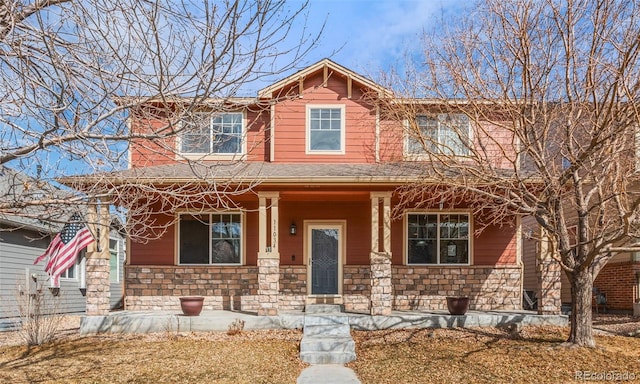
<point>439,265</point>
<point>211,157</point>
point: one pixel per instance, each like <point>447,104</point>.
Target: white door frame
<point>341,226</point>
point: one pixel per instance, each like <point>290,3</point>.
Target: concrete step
<point>327,344</point>
<point>326,319</point>
<point>330,330</point>
<point>323,308</point>
<point>327,357</point>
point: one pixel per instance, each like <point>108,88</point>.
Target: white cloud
<point>373,35</point>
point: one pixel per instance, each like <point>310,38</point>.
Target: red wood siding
<point>495,143</point>
<point>291,124</point>
<point>356,213</point>
<point>495,245</point>
<point>155,252</point>
<point>146,153</point>
<point>162,251</point>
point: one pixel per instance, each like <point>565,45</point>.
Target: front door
<point>325,253</point>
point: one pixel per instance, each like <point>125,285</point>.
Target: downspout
<point>377,136</point>
<point>272,136</point>
<point>519,262</point>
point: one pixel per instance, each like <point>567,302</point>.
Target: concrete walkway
<point>328,374</point>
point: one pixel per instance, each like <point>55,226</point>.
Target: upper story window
<point>438,238</point>
<point>443,133</point>
<point>214,238</point>
<point>218,134</point>
<point>325,129</point>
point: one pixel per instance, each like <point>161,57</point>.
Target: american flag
<point>64,248</point>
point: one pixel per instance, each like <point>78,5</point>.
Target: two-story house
<point>307,209</point>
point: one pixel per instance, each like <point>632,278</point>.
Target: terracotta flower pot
<point>457,305</point>
<point>191,305</point>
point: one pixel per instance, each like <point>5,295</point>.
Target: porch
<point>219,320</point>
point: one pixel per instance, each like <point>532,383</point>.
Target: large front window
<point>437,238</point>
<point>219,134</point>
<point>442,133</point>
<point>325,129</point>
<point>214,238</point>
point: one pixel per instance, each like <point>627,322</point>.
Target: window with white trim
<point>218,134</point>
<point>446,133</point>
<point>214,238</point>
<point>71,272</point>
<point>438,238</point>
<point>325,129</point>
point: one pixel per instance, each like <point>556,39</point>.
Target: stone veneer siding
<point>356,288</point>
<point>159,287</point>
<point>293,287</point>
<point>414,287</point>
<point>426,287</point>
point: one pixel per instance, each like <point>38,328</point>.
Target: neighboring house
<point>618,281</point>
<point>22,240</point>
<point>316,226</point>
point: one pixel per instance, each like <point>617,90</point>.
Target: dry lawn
<point>483,355</point>
<point>402,356</point>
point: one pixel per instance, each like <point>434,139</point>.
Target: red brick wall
<point>618,282</point>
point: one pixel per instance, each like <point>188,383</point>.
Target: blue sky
<point>373,35</point>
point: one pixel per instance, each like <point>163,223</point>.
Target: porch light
<point>293,229</point>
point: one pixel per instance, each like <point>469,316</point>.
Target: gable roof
<point>324,64</point>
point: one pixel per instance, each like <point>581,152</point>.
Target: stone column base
<point>268,285</point>
<point>98,293</point>
<point>381,294</point>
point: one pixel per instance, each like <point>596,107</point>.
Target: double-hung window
<point>218,134</point>
<point>442,133</point>
<point>325,129</point>
<point>438,238</point>
<point>214,238</point>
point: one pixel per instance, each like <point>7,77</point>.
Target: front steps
<point>326,337</point>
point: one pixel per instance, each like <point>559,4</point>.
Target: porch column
<point>548,271</point>
<point>380,258</point>
<point>268,254</point>
<point>97,263</point>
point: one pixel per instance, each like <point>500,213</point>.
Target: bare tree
<point>72,72</point>
<point>551,90</point>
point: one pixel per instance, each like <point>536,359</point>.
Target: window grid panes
<point>444,133</point>
<point>211,238</point>
<point>218,134</point>
<point>325,129</point>
<point>438,239</point>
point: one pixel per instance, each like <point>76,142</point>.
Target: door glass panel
<point>324,261</point>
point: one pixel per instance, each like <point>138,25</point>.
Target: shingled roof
<point>252,172</point>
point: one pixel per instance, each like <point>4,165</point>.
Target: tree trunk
<point>581,332</point>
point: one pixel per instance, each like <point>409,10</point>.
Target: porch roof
<point>261,172</point>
